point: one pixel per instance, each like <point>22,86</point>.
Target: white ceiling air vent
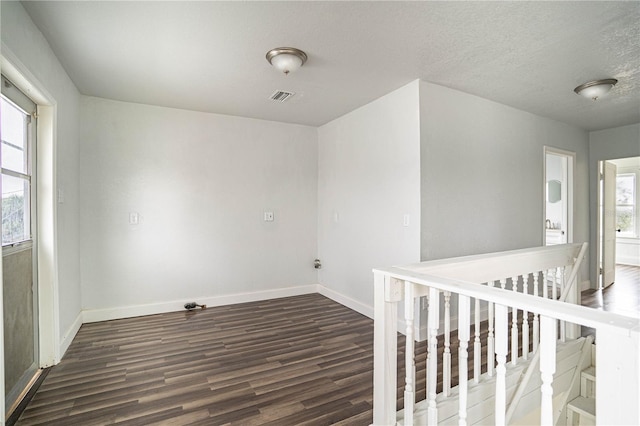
<point>281,95</point>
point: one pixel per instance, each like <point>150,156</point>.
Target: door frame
<point>600,222</point>
<point>24,103</point>
<point>47,246</point>
<point>571,162</point>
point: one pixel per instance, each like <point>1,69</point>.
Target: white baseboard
<point>95,315</point>
<point>70,334</point>
<point>350,303</point>
<point>627,260</point>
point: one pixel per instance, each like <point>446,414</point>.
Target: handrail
<point>480,268</point>
<point>574,273</point>
<point>486,278</point>
<point>600,320</point>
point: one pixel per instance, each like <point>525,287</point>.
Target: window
<point>626,204</point>
<point>15,128</point>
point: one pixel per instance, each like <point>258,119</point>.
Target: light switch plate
<point>268,216</point>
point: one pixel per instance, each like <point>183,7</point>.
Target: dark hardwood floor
<point>291,361</point>
<point>621,297</point>
<point>297,360</point>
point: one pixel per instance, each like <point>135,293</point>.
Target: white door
<point>608,224</point>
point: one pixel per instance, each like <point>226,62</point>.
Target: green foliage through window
<point>13,226</point>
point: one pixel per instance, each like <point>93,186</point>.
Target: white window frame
<point>14,96</point>
<point>635,233</point>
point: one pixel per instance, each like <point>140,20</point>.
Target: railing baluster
<point>446,356</point>
<point>525,319</point>
<point>548,339</point>
<point>432,369</point>
<point>490,338</point>
<point>464,324</point>
<point>502,342</point>
<point>514,325</point>
<point>536,323</point>
<point>562,283</point>
<point>427,325</point>
<point>410,366</point>
<point>502,335</point>
<point>477,344</point>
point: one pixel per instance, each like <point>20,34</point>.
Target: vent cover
<point>281,95</point>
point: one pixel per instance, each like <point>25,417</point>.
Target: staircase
<point>538,368</point>
<point>522,390</point>
<point>582,409</point>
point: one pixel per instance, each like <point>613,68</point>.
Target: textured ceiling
<point>210,56</point>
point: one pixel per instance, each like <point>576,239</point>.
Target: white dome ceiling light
<point>596,89</point>
<point>286,59</point>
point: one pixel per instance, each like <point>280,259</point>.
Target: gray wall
<point>368,180</point>
<point>609,144</point>
<point>200,184</point>
<point>482,174</point>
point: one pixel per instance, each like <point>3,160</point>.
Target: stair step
<point>589,373</point>
<point>588,382</point>
<point>584,406</point>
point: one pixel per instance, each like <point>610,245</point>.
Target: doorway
<point>618,218</point>
<point>19,248</point>
<point>558,190</point>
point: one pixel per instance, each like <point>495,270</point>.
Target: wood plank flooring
<point>291,361</point>
<point>621,297</point>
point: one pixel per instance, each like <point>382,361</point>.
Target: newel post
<point>387,294</point>
<point>618,384</point>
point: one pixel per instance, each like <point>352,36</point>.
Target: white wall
<point>200,183</point>
<point>369,178</point>
<point>24,45</point>
<point>609,144</point>
<point>482,174</point>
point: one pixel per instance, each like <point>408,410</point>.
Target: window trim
<point>631,171</point>
<point>15,97</point>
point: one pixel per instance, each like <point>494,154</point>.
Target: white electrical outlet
<point>268,216</point>
<point>134,218</point>
<point>405,219</point>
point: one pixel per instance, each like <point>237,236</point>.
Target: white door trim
<point>571,162</point>
<point>49,310</point>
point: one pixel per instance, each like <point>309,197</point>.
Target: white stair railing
<point>459,280</point>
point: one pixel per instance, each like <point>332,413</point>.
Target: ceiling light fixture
<point>286,59</point>
<point>596,89</point>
